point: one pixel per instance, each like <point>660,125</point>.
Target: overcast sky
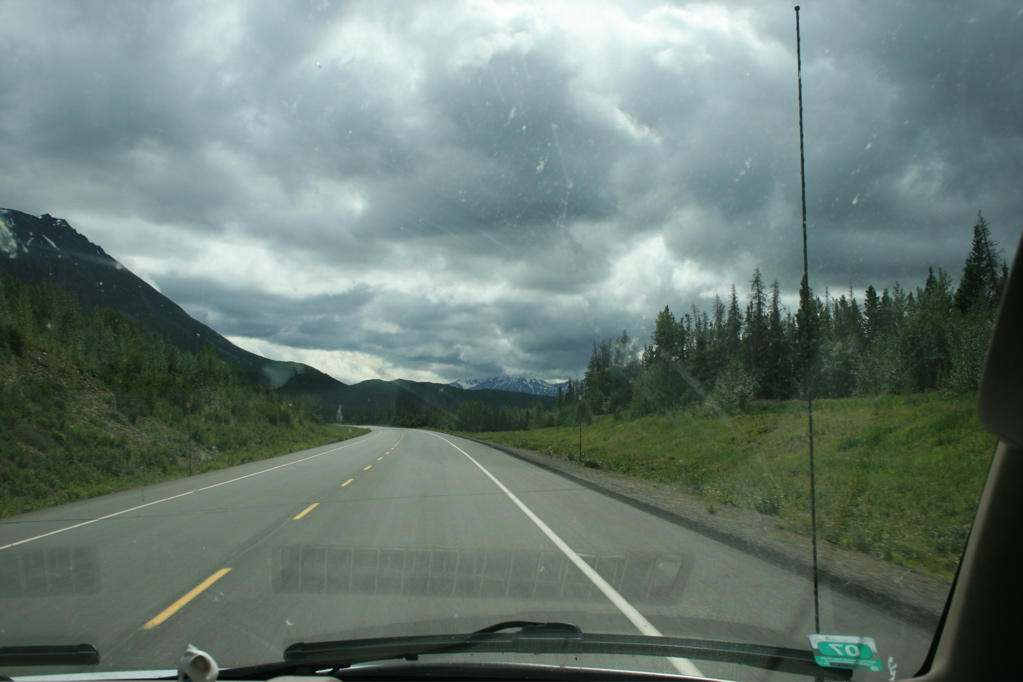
<point>437,191</point>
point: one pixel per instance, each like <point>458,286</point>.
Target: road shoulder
<point>908,594</point>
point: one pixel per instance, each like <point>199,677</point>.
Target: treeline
<point>475,416</point>
<point>893,342</point>
<point>471,416</point>
<point>89,403</point>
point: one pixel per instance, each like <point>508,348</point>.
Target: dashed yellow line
<point>379,458</point>
<point>308,509</point>
<point>368,468</point>
<point>176,606</point>
<point>347,482</point>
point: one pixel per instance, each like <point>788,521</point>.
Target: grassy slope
<point>91,404</point>
<point>65,439</point>
<point>898,477</point>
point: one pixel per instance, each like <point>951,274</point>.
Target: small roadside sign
<point>845,651</point>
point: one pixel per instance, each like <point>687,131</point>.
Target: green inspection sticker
<point>845,651</point>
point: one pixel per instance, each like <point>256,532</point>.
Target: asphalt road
<point>396,532</point>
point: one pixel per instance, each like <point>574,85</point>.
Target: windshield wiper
<point>541,638</point>
<point>555,638</point>
<point>48,654</point>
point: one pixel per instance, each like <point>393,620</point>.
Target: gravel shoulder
<point>907,594</point>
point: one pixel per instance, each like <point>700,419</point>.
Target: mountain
<point>47,249</point>
<point>517,385</point>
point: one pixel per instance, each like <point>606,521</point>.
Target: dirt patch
<point>89,403</point>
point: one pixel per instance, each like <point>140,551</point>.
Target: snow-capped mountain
<point>44,249</point>
<point>517,385</point>
<point>49,250</point>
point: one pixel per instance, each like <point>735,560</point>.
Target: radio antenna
<point>804,295</point>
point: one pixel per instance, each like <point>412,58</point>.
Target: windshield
<point>324,321</point>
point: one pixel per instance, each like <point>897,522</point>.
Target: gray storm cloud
<point>442,190</point>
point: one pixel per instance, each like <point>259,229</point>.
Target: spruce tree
<point>871,312</point>
<point>755,336</point>
<point>982,279</point>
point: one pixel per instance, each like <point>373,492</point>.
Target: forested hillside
<point>89,404</point>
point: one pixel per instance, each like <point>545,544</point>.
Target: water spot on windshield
<point>7,242</point>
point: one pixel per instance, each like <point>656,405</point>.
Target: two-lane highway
<point>396,532</point>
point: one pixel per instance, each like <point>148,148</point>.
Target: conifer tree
<point>871,312</point>
<point>982,280</point>
<point>755,336</point>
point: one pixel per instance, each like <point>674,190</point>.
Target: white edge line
<point>683,665</point>
<point>172,497</point>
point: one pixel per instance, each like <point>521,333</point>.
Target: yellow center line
<point>379,458</point>
<point>347,482</point>
<point>308,509</point>
<point>176,606</point>
<point>368,468</point>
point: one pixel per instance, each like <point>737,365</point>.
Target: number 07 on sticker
<point>845,651</point>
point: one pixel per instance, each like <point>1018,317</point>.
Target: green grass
<point>898,478</point>
<point>90,404</point>
<point>42,469</point>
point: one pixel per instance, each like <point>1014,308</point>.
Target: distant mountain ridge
<point>45,249</point>
<point>513,385</point>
